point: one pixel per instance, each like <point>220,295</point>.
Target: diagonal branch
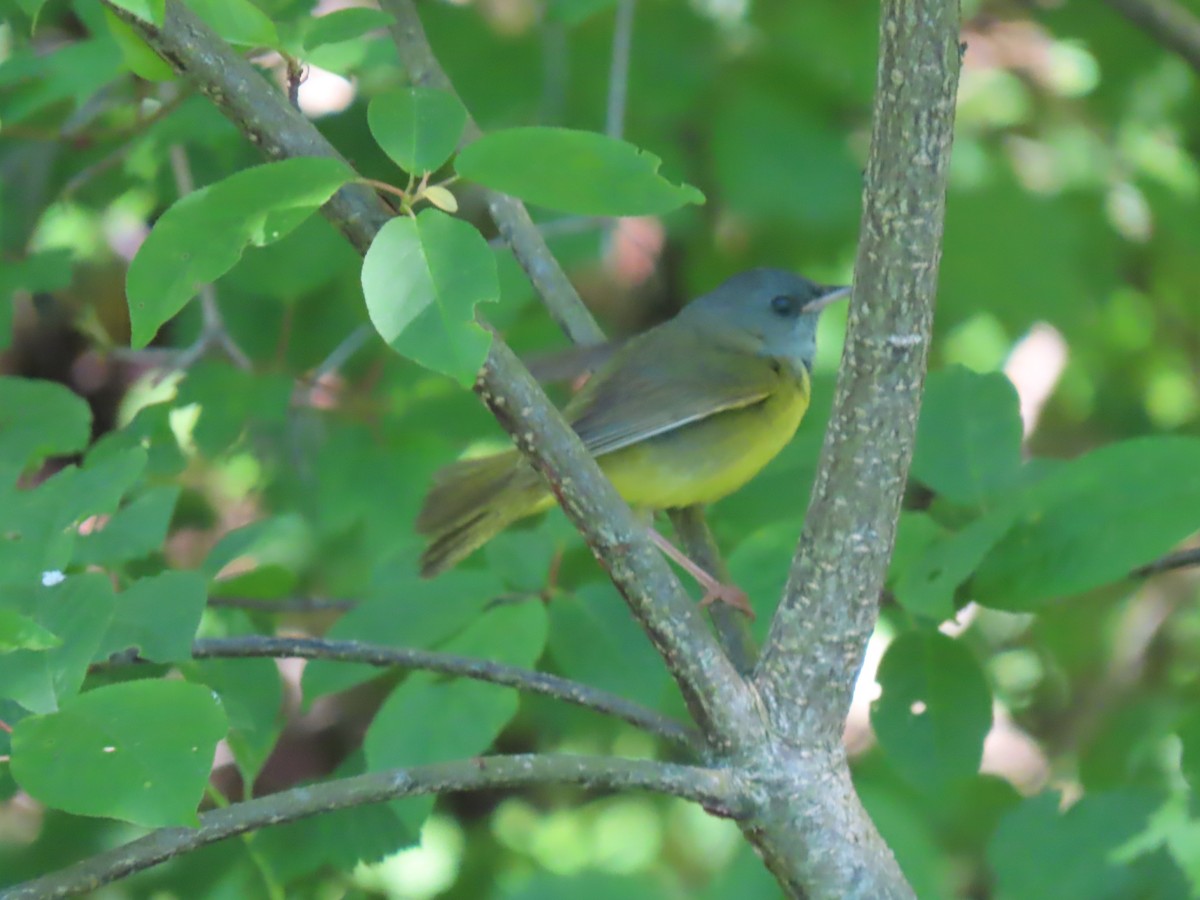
<point>1168,23</point>
<point>717,697</point>
<point>447,664</point>
<point>818,637</point>
<point>561,299</point>
<point>716,790</point>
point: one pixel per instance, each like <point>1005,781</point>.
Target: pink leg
<point>714,590</point>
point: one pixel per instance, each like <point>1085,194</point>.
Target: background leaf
<point>1038,852</point>
<point>1093,520</point>
<point>934,710</point>
<point>969,437</point>
<point>40,419</point>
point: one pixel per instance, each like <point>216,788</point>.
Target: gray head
<point>770,312</point>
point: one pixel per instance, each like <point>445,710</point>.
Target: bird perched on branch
<point>682,414</point>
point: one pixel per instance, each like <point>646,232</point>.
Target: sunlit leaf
<point>138,55</point>
<point>573,171</point>
<point>152,11</point>
<point>18,632</point>
<point>200,238</point>
<point>344,25</point>
<point>239,22</point>
<point>417,127</point>
<point>423,278</point>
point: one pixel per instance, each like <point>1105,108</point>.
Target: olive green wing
<point>661,381</point>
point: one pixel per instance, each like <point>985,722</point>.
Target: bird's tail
<point>471,502</point>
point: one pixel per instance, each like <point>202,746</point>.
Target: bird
<point>682,414</point>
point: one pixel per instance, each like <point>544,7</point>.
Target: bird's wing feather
<point>662,380</point>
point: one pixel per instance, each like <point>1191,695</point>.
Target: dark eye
<point>785,306</point>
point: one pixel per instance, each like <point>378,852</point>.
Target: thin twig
<point>297,71</point>
<point>562,227</point>
<point>555,68</point>
<point>1166,22</point>
<point>527,680</point>
<point>121,152</point>
<point>618,73</point>
<point>292,605</point>
<point>213,331</point>
<point>343,352</point>
<point>716,790</point>
<point>1181,559</point>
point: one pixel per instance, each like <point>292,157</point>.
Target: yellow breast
<point>706,460</point>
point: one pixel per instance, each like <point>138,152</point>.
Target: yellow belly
<point>705,461</point>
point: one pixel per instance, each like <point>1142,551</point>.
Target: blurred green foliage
<point>1059,445</point>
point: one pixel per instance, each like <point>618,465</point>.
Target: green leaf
<point>422,279</point>
<point>132,533</point>
<point>934,711</point>
<point>40,419</point>
<point>916,535</point>
<point>417,127</point>
<point>158,615</point>
<point>138,55</point>
<point>18,632</point>
<point>344,25</point>
<point>1094,519</point>
<point>339,839</point>
<point>77,610</point>
<point>591,629</point>
<point>969,436</point>
<point>37,527</point>
<point>1039,853</point>
<point>402,609</point>
<point>252,695</point>
<point>574,171</point>
<point>139,751</point>
<point>928,583</point>
<point>239,22</point>
<point>202,236</point>
<point>430,718</point>
<point>152,11</point>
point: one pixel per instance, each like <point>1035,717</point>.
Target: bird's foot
<point>730,595</point>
